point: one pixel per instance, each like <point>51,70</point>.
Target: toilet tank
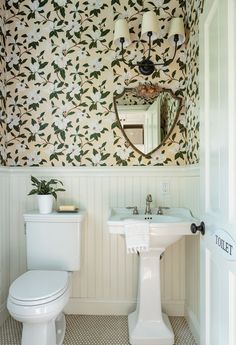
<point>53,241</point>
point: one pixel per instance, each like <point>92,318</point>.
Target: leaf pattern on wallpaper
<point>3,133</point>
<point>61,72</point>
<point>191,94</point>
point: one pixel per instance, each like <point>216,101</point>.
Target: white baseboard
<point>173,308</point>
<point>96,307</point>
<point>193,324</point>
<point>3,313</point>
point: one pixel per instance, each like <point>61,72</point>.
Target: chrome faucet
<point>148,203</point>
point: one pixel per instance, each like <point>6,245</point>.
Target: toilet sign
<point>224,243</point>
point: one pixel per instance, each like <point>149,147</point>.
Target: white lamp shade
<point>121,31</point>
<point>176,28</point>
<point>149,23</point>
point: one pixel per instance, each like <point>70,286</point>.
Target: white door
<point>218,173</point>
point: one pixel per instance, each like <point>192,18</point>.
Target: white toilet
<point>37,297</point>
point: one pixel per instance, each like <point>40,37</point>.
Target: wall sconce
<point>176,37</point>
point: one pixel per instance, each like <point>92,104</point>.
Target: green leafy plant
<point>43,187</point>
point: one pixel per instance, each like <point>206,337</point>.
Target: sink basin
<point>158,218</point>
<point>147,324</point>
<point>164,229</point>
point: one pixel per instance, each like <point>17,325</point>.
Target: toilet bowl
<point>37,299</point>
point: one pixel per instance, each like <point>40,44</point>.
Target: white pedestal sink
<point>147,324</point>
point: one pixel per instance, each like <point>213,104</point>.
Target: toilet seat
<point>38,287</point>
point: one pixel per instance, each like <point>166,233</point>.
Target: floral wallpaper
<point>191,93</point>
<point>62,70</point>
<point>2,88</point>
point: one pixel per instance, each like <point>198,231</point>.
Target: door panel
<point>218,151</point>
<point>215,107</point>
<point>218,303</point>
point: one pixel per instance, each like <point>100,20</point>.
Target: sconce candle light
<point>149,32</point>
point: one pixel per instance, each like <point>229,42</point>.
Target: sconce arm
<point>122,54</point>
<point>166,63</point>
<point>149,45</point>
<point>146,66</point>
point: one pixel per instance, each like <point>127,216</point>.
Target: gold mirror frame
<point>147,92</point>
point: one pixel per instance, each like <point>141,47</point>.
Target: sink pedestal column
<point>147,324</point>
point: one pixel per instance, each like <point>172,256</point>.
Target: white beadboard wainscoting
<point>4,241</point>
<point>107,281</point>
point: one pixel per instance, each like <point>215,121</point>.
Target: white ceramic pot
<point>45,203</point>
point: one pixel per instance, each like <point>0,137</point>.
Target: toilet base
<point>60,328</point>
<point>49,333</point>
<point>150,332</point>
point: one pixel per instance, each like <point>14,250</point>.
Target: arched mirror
<point>147,115</point>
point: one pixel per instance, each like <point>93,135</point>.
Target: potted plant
<point>45,191</point>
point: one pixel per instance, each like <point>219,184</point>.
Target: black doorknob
<point>194,228</point>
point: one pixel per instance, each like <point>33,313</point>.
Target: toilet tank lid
<point>35,216</point>
<point>38,285</point>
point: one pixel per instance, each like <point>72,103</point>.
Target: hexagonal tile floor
<point>95,330</point>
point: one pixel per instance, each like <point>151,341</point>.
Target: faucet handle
<point>134,208</point>
<point>161,208</point>
<point>149,198</point>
